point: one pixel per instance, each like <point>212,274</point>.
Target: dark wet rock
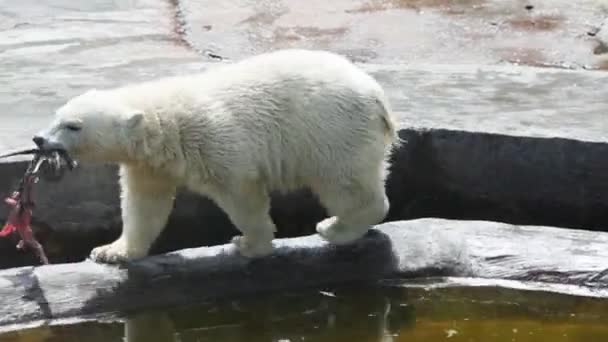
<point>407,249</point>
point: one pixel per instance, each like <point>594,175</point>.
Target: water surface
<point>382,313</point>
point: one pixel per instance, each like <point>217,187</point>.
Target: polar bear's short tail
<point>390,133</point>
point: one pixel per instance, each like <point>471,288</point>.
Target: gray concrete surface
<point>538,257</point>
<point>518,101</point>
<point>550,33</point>
<point>52,50</point>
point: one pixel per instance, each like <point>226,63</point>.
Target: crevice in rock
<point>180,31</point>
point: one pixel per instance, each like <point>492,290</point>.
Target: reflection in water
<point>361,314</point>
<point>149,327</point>
<point>371,314</point>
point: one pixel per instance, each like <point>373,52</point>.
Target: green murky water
<point>340,314</point>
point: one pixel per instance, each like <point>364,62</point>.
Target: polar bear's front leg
<point>146,202</point>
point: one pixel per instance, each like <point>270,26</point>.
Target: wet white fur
<point>277,121</point>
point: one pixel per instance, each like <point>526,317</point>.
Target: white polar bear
<point>274,122</point>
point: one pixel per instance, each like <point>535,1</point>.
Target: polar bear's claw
<point>333,231</point>
<point>114,253</point>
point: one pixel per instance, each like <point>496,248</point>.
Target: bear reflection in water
<point>353,315</point>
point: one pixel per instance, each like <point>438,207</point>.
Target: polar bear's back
<point>288,117</point>
<point>297,115</point>
<point>304,114</point>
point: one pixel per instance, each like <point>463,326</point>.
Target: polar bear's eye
<point>73,127</point>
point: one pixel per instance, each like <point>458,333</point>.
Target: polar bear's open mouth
<point>55,157</point>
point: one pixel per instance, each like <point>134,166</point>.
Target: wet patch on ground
<point>543,33</point>
<point>263,18</point>
<point>539,23</point>
<point>601,48</point>
<point>524,56</point>
<point>602,65</point>
<point>535,58</point>
<point>447,6</point>
<point>285,36</point>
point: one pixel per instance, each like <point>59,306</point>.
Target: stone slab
<point>406,249</point>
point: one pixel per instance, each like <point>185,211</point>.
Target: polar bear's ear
<point>134,120</point>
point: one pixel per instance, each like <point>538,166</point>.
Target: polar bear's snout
<point>39,141</point>
<point>45,142</point>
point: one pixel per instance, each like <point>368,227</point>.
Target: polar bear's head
<point>94,127</point>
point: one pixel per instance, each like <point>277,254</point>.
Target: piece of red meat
<point>20,217</point>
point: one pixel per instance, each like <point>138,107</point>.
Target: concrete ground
<point>437,51</point>
<point>552,33</point>
<point>480,254</point>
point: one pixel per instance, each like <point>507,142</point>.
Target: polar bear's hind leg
<point>354,206</point>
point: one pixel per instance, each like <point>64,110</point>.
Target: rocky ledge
<point>553,259</point>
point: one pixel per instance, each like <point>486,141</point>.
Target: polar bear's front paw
<point>334,231</point>
<point>115,253</point>
<point>250,248</point>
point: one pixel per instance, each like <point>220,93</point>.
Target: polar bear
<point>278,121</point>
